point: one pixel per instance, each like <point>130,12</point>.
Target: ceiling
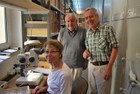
<point>79,6</point>
<point>24,5</point>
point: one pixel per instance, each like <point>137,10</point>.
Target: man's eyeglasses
<point>52,52</point>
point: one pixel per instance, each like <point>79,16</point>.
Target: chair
<point>79,86</point>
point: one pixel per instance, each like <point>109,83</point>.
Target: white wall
<point>127,28</point>
<point>15,27</point>
<point>7,65</point>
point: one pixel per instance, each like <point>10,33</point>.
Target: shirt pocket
<point>102,43</point>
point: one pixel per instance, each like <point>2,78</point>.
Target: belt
<point>98,63</point>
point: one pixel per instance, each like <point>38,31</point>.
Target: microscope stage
<point>32,79</point>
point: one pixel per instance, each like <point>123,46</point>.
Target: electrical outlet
<point>133,83</point>
<point>133,80</point>
<point>131,13</point>
<point>138,55</point>
<point>132,75</point>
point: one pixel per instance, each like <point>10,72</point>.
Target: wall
<point>14,27</point>
<point>124,15</point>
<point>6,67</point>
<point>98,4</point>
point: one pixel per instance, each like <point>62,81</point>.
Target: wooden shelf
<point>36,22</point>
<point>25,5</point>
<point>56,9</point>
<point>36,28</point>
<point>50,5</point>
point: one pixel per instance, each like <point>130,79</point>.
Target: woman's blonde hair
<point>56,44</point>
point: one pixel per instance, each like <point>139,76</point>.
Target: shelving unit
<point>43,25</point>
<point>58,6</point>
<point>36,24</point>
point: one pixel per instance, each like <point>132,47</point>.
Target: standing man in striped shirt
<point>102,48</point>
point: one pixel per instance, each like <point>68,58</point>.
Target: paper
<point>3,53</point>
<point>1,60</point>
<point>3,57</point>
<point>10,50</point>
<point>42,70</point>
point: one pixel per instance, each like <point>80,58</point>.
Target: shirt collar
<point>73,33</point>
<point>73,30</point>
<point>97,29</point>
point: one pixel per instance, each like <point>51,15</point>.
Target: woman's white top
<point>60,81</point>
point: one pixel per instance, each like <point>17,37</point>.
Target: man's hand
<point>108,72</point>
<point>86,54</point>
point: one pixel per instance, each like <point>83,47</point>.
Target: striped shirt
<point>100,43</point>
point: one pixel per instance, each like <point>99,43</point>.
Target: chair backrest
<point>79,86</point>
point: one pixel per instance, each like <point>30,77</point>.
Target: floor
<point>85,74</point>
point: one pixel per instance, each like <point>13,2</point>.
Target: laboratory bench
<point>11,83</point>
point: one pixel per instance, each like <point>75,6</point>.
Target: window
<point>3,35</point>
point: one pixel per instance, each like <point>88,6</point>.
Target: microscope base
<point>32,79</point>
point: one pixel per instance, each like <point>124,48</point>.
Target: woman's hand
<point>38,90</point>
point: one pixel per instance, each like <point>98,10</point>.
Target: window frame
<point>5,44</point>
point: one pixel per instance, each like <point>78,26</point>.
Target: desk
<point>12,82</point>
<point>44,64</point>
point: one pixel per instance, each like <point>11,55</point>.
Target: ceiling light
<point>79,11</point>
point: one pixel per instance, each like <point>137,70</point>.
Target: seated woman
<point>60,78</point>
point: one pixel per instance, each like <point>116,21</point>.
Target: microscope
<point>27,61</point>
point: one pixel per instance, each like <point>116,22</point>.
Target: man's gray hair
<point>91,8</point>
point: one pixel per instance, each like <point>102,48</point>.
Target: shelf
<point>52,34</point>
<point>47,5</point>
<point>35,25</point>
<point>42,24</point>
<point>56,9</point>
<point>36,22</point>
<point>37,32</point>
<point>36,12</point>
<point>24,5</point>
